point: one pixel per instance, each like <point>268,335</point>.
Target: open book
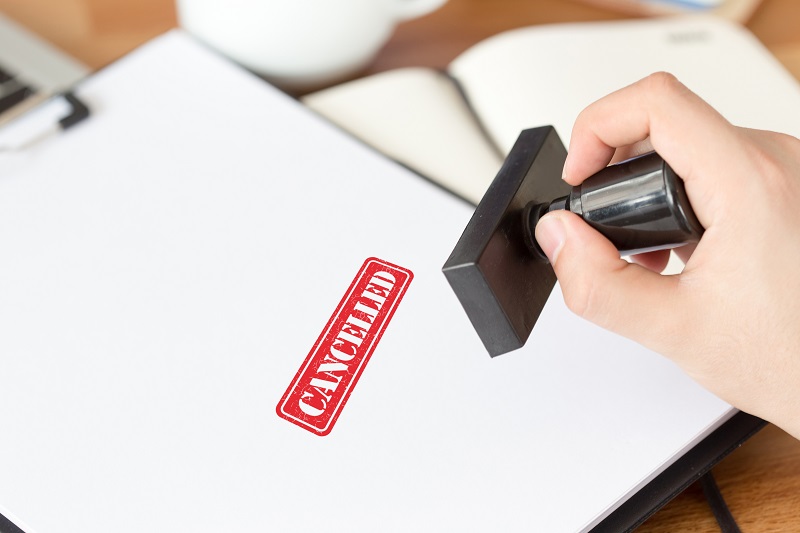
<point>455,127</point>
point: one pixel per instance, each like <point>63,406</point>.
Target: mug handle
<point>409,9</point>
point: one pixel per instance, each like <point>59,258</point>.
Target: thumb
<point>603,288</point>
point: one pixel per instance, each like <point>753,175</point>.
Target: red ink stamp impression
<point>321,387</point>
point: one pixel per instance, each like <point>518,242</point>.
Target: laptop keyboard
<point>12,90</point>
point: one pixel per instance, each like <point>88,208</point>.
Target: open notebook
<point>456,127</point>
<point>169,264</point>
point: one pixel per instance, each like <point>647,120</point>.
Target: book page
<point>547,74</point>
<point>417,117</point>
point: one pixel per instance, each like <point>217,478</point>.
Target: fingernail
<point>551,234</point>
<point>564,170</point>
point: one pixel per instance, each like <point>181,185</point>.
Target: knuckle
<point>662,79</point>
<point>664,84</point>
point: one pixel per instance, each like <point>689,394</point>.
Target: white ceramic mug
<point>299,43</point>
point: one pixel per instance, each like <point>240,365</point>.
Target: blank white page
<point>168,264</point>
<point>418,117</point>
<point>547,74</point>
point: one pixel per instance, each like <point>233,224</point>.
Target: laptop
<point>31,70</point>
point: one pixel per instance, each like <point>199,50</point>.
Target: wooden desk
<point>761,480</point>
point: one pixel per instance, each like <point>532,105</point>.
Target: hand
<point>731,319</point>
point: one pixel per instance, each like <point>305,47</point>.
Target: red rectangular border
<point>320,389</point>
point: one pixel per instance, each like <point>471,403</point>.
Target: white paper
<point>416,116</point>
<point>547,75</point>
<point>168,264</point>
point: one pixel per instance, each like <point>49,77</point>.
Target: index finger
<point>687,132</point>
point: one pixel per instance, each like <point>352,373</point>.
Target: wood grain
<point>761,480</point>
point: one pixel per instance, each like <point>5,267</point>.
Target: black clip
<point>80,111</point>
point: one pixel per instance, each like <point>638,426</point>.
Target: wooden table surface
<point>761,480</point>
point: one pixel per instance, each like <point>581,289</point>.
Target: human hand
<point>731,318</point>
